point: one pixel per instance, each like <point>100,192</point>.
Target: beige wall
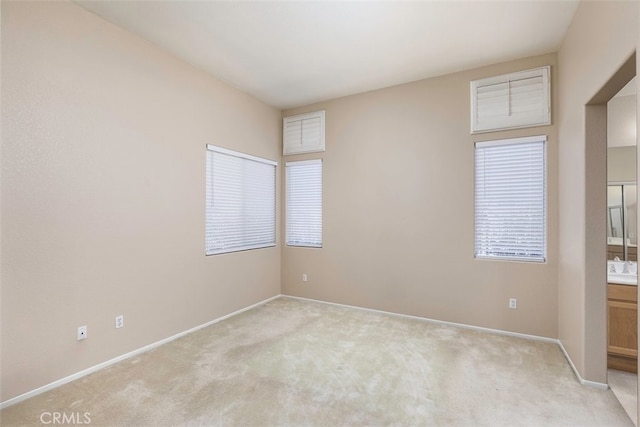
<point>103,168</point>
<point>102,197</point>
<point>621,164</point>
<point>621,119</point>
<point>398,211</point>
<point>602,36</point>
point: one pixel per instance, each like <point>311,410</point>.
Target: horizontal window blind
<point>510,199</point>
<point>240,201</point>
<point>304,203</point>
<point>511,101</point>
<point>303,133</point>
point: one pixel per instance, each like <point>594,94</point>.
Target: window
<point>510,199</point>
<point>303,133</point>
<point>511,101</point>
<point>240,202</point>
<point>304,203</point>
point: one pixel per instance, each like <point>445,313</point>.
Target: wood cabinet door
<point>623,328</point>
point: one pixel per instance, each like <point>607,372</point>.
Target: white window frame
<point>304,203</point>
<point>510,101</point>
<point>500,194</point>
<point>241,192</point>
<point>303,133</point>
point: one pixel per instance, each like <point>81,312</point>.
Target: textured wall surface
<point>399,215</point>
<point>103,193</point>
<point>601,38</point>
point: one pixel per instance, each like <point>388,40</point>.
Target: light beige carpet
<point>292,363</point>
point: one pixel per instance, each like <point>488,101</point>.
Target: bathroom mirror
<point>615,221</point>
<point>622,235</point>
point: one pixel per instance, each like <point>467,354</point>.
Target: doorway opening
<point>622,248</point>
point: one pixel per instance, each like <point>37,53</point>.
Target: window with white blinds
<point>510,199</point>
<point>240,202</point>
<point>304,203</point>
<point>303,133</point>
<point>511,101</point>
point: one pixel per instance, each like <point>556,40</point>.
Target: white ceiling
<point>295,53</point>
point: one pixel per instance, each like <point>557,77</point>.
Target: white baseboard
<point>594,384</point>
<point>582,381</point>
<point>156,344</point>
<point>115,360</point>
<point>426,319</point>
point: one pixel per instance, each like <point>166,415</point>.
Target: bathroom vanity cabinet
<point>622,305</point>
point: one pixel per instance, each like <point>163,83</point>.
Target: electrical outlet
<point>82,332</point>
<point>513,303</point>
<point>304,277</point>
<point>119,321</point>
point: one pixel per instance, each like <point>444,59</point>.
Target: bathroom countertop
<point>623,279</point>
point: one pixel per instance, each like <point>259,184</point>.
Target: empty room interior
<point>319,213</point>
